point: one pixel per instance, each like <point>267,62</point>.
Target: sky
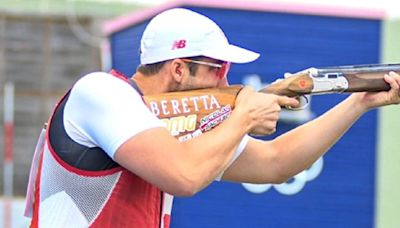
<point>392,7</point>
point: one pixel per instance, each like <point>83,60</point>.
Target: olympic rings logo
<point>294,186</point>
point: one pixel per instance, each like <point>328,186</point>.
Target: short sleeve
<point>105,111</point>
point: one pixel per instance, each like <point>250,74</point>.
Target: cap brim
<point>232,53</point>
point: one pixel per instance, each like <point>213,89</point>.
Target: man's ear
<point>177,70</point>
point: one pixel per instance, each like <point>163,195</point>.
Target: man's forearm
<point>209,154</point>
<point>301,147</point>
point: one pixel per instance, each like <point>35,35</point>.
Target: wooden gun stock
<point>189,113</point>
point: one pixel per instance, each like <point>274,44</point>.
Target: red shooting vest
<point>61,195</point>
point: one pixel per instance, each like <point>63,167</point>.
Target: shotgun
<point>190,113</point>
<point>340,79</point>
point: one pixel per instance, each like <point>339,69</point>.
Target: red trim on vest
<point>119,75</point>
<point>138,205</point>
<point>167,221</point>
<point>36,200</point>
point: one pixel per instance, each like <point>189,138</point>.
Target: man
<point>106,159</point>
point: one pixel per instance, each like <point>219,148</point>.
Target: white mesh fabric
<point>87,192</point>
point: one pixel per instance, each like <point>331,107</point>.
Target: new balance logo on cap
<point>178,44</point>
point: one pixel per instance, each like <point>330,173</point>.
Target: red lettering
<point>178,44</point>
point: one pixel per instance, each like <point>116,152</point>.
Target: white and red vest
<point>62,195</point>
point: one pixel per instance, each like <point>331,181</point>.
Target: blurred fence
<point>42,56</point>
<point>14,217</point>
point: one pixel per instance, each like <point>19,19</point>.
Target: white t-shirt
<point>104,111</point>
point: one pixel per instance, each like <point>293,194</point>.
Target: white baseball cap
<point>179,33</point>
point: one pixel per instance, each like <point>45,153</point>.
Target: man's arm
<point>277,160</point>
<point>187,167</point>
<point>180,168</point>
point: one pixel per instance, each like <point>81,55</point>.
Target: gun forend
<point>357,78</point>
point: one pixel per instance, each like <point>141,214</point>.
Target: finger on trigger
<point>285,101</point>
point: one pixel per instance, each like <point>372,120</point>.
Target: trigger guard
<point>304,101</point>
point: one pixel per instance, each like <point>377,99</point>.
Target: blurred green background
<point>388,168</point>
<point>95,8</point>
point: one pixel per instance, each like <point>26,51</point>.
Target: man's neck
<point>153,84</point>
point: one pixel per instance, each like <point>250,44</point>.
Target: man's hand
<point>261,110</point>
<point>377,99</point>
